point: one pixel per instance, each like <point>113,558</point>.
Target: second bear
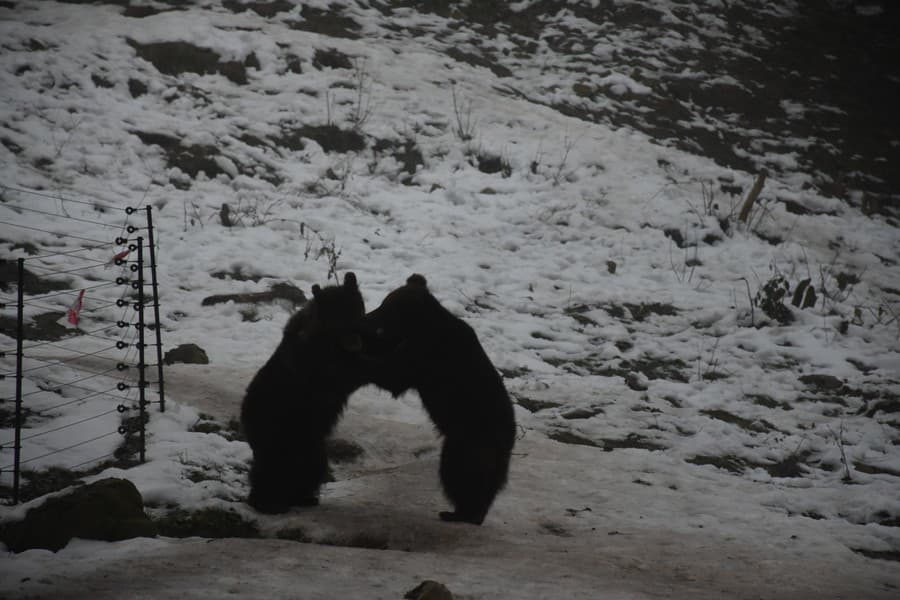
<point>421,345</point>
<point>296,398</point>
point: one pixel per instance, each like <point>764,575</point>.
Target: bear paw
<point>458,517</point>
<point>269,507</point>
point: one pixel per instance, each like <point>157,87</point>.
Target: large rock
<point>109,510</point>
<point>429,590</point>
<point>191,354</point>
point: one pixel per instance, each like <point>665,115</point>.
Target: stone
<point>188,354</point>
<point>109,510</point>
<point>429,590</point>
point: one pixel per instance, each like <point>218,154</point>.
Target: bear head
<point>401,316</point>
<point>335,313</point>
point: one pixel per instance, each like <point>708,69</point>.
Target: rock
<point>186,353</point>
<point>636,381</point>
<point>429,590</point>
<point>804,295</point>
<point>108,510</point>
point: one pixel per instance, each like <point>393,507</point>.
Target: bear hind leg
<point>471,477</point>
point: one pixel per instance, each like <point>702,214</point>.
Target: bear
<point>294,401</point>
<point>418,344</point>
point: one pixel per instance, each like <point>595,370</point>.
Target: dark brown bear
<point>420,345</point>
<point>296,398</point>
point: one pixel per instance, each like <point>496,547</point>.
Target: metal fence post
<point>20,334</point>
<point>157,324</point>
<point>142,365</point>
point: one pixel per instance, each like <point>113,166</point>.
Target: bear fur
<point>420,345</point>
<point>294,401</point>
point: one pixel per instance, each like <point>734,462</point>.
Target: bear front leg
<point>308,473</point>
<point>268,493</point>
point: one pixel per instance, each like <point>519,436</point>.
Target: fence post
<point>20,334</point>
<point>142,365</point>
<point>156,326</point>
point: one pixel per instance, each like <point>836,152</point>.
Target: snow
<point>524,259</point>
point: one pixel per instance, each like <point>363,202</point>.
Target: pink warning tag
<point>75,309</point>
<point>121,254</point>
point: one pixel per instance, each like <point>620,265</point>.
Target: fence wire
<point>73,271</point>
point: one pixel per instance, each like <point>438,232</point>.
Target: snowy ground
<point>675,441</point>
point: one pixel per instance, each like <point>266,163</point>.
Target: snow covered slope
<point>568,176</point>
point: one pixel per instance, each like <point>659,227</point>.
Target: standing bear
<point>296,398</point>
<point>420,345</point>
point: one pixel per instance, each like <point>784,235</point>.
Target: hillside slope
<point>568,176</point>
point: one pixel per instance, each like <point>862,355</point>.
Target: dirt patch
<point>878,554</point>
<point>653,367</point>
<point>768,401</point>
<point>822,382</point>
<point>577,313</point>
<point>189,159</point>
<point>279,291</point>
<point>556,529</point>
<point>532,405</point>
<point>35,484</point>
<point>330,137</point>
<point>491,164</point>
<point>871,469</point>
<point>406,152</point>
<point>582,413</point>
<point>175,58</point>
<point>207,523</point>
<point>8,415</point>
<point>632,440</point>
<point>369,540</point>
<point>329,22</point>
<point>343,451</point>
<point>230,430</point>
<point>639,312</point>
<point>889,404</point>
<point>792,466</point>
<point>332,59</point>
<point>294,534</point>
<point>44,327</point>
<point>237,273</point>
<point>657,367</point>
<point>32,284</point>
<point>751,425</point>
<point>263,9</point>
<point>479,60</point>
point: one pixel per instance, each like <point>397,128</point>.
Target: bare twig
<point>329,101</point>
<point>750,299</point>
<point>568,144</point>
<point>465,123</point>
<point>711,365</point>
<point>362,104</point>
<point>839,441</point>
<point>536,161</point>
<point>751,198</point>
<point>327,248</point>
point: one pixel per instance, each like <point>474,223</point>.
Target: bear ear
<point>316,290</point>
<point>416,279</point>
<point>350,281</point>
